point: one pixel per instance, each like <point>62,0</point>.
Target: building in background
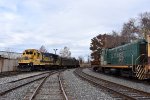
<point>8,61</point>
<point>10,55</point>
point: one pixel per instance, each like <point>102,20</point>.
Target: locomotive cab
<point>28,58</point>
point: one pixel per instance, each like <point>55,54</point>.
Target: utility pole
<point>55,50</point>
<point>88,59</point>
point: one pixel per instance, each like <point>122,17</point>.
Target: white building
<point>10,55</point>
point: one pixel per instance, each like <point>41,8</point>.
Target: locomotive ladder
<point>140,72</point>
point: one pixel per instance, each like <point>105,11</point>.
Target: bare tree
<point>65,52</point>
<point>145,23</point>
<point>130,30</point>
<point>81,59</point>
<point>43,49</point>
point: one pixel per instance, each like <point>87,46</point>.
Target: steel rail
<point>24,78</point>
<point>110,86</point>
<point>13,88</point>
<point>10,74</point>
<point>38,87</point>
<point>61,87</point>
<point>6,91</point>
<point>36,90</point>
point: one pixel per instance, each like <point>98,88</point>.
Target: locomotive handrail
<point>136,61</point>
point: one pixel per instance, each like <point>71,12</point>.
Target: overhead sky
<point>57,23</point>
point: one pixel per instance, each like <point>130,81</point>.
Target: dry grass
<point>85,65</point>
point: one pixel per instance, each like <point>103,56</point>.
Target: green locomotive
<point>131,59</point>
<point>126,54</point>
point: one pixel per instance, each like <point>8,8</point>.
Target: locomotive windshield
<point>29,52</point>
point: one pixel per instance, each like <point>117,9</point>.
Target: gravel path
<point>77,89</point>
<point>135,85</point>
<point>17,77</point>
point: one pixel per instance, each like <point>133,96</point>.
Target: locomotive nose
<point>26,58</point>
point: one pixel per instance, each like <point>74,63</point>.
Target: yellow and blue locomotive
<point>33,59</point>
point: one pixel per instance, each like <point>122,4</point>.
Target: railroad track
<point>6,88</point>
<point>49,88</point>
<point>116,90</point>
<point>7,74</point>
<point>15,80</point>
<point>133,79</point>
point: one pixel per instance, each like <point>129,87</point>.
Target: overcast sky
<point>57,23</point>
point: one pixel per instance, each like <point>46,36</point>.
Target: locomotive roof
<point>132,43</point>
<point>31,50</point>
<point>50,54</point>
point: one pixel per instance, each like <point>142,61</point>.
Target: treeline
<point>134,29</point>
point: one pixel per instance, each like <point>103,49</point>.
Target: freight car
<point>132,59</point>
<point>32,59</point>
<point>69,62</point>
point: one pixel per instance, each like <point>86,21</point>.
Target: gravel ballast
<point>19,93</point>
<point>17,77</point>
<point>50,90</point>
<point>77,89</point>
<point>139,86</point>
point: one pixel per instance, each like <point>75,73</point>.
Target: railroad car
<point>132,59</point>
<point>32,59</point>
<point>69,62</point>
